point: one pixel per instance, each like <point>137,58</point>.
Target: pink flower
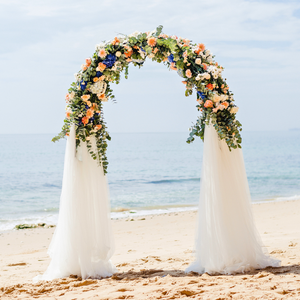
<point>188,73</point>
<point>102,53</point>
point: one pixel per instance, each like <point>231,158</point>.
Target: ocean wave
<point>172,180</point>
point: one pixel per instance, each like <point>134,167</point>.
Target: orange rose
<point>208,104</point>
<point>67,133</point>
<point>155,50</point>
<point>210,86</point>
<point>85,120</point>
<point>95,79</point>
<point>101,67</point>
<point>204,66</point>
<point>85,97</point>
<point>128,53</point>
<point>89,103</point>
<point>188,73</point>
<point>89,113</point>
<point>98,127</point>
<point>94,106</point>
<point>68,114</point>
<point>115,41</point>
<point>152,41</point>
<point>101,96</point>
<point>225,104</point>
<point>83,67</point>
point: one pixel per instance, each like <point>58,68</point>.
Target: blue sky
<point>43,43</point>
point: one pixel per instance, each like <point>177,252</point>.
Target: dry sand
<point>151,255</point>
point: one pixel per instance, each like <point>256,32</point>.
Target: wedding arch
<point>227,241</point>
<point>192,61</point>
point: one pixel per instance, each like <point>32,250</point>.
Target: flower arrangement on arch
<point>193,62</point>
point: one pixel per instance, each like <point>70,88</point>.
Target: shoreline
<point>123,212</point>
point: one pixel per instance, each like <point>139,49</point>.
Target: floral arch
<point>193,62</point>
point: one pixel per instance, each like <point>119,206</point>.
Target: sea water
<point>148,173</point>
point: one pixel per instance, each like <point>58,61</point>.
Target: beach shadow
<point>150,273</point>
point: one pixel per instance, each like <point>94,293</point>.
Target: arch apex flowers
<point>194,62</point>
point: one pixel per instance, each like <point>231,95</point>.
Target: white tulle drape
<point>227,241</point>
<point>83,241</point>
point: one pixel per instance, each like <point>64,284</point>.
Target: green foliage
<point>191,61</point>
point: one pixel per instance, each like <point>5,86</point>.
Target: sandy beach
<point>151,254</point>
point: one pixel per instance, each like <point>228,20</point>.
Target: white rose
<point>118,53</point>
<point>72,94</point>
<point>216,98</point>
<point>206,76</point>
<point>234,110</point>
<point>135,34</point>
<point>198,77</point>
<point>198,61</point>
<point>100,46</point>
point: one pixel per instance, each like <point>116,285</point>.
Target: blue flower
<point>109,60</point>
<point>171,58</point>
<point>79,122</point>
<point>98,74</point>
<point>201,95</point>
<point>87,107</point>
<point>92,119</point>
<point>142,49</point>
<point>83,85</point>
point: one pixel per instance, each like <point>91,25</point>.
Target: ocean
<point>148,173</point>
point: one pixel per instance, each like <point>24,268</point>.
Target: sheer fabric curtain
<point>227,241</point>
<point>83,241</point>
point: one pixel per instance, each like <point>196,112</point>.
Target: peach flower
<point>188,73</point>
<point>88,61</point>
<point>89,113</point>
<point>101,96</point>
<point>85,97</point>
<point>173,67</point>
<point>184,82</point>
<point>201,47</point>
<point>98,127</point>
<point>67,97</point>
<point>208,103</point>
<point>85,120</point>
<point>95,79</point>
<point>67,133</point>
<point>155,50</point>
<point>152,41</point>
<point>68,114</point>
<point>101,67</point>
<point>89,103</point>
<point>204,66</point>
<point>115,41</point>
<point>102,53</point>
<point>83,67</point>
<point>225,104</point>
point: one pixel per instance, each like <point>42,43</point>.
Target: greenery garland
<point>192,61</point>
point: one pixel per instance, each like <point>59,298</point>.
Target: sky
<point>43,43</point>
